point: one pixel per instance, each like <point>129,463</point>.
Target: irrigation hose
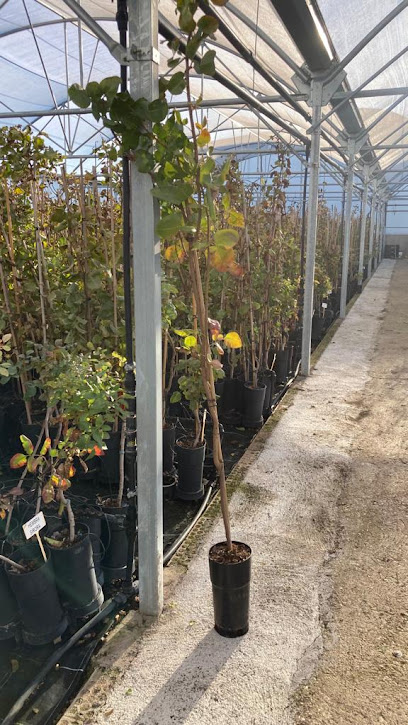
<point>109,606</point>
<point>178,542</point>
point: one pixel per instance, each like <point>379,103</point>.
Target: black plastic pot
<point>253,405</point>
<point>169,440</point>
<point>109,462</point>
<point>281,366</point>
<point>91,516</point>
<point>268,378</point>
<point>169,487</point>
<point>230,587</point>
<point>9,617</point>
<point>318,325</point>
<point>231,401</point>
<point>190,462</point>
<point>33,430</point>
<point>74,570</point>
<point>115,541</point>
<point>41,614</point>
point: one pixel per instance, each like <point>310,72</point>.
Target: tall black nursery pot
<point>230,587</point>
<point>268,378</point>
<point>91,516</point>
<point>169,440</point>
<point>109,462</point>
<point>115,541</point>
<point>75,575</point>
<point>190,461</point>
<point>281,365</point>
<point>41,614</point>
<point>9,618</point>
<point>231,401</point>
<point>253,405</point>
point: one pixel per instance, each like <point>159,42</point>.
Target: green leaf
<point>93,90</point>
<point>144,161</point>
<point>113,154</point>
<point>226,238</point>
<point>28,447</point>
<point>169,225</point>
<point>174,62</point>
<point>186,20</point>
<point>177,83</point>
<point>4,372</point>
<point>208,25</point>
<point>193,45</point>
<point>176,397</point>
<point>109,86</point>
<point>79,96</point>
<point>173,193</point>
<point>157,110</point>
<point>207,65</point>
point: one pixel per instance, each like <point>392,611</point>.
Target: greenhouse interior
<point>203,346</point>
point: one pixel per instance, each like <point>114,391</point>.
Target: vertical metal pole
<point>384,233</point>
<point>143,37</point>
<point>371,237</point>
<point>377,235</point>
<point>363,227</point>
<point>303,231</point>
<point>316,101</point>
<point>130,384</point>
<point>347,230</point>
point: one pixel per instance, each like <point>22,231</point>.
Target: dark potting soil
<point>222,555</point>
<point>188,443</point>
<point>61,536</point>
<point>30,565</point>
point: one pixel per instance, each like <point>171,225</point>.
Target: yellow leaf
<point>233,340</point>
<point>181,333</point>
<point>190,341</point>
<point>204,138</point>
<point>236,219</point>
<point>2,514</point>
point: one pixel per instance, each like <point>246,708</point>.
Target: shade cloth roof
<point>43,49</point>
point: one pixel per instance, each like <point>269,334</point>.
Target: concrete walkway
<point>179,670</point>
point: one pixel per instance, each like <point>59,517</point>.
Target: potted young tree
<point>186,180</point>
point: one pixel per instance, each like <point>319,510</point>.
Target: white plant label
<point>324,305</point>
<point>34,525</point>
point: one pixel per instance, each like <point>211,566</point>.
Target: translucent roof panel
<point>43,43</point>
<point>44,49</point>
<point>348,23</point>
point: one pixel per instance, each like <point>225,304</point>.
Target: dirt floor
<point>323,504</point>
<point>362,676</point>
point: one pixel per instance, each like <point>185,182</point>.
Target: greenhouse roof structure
<point>267,52</point>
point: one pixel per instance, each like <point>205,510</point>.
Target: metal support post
<point>378,234</point>
<point>143,34</point>
<point>314,166</point>
<point>363,227</point>
<point>372,226</point>
<point>384,230</point>
<point>347,230</point>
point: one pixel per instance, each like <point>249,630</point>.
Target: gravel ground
<point>322,546</point>
<point>362,678</point>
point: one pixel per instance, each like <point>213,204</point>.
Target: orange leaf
<point>19,460</point>
<point>45,446</point>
